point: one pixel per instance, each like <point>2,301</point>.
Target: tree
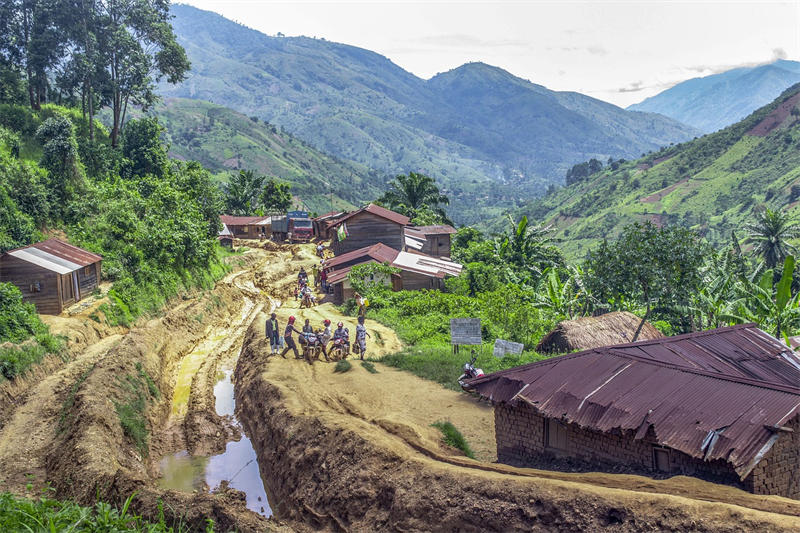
<point>137,47</point>
<point>527,249</point>
<point>60,159</point>
<point>242,192</point>
<point>415,195</point>
<point>655,267</point>
<point>276,196</point>
<point>772,305</point>
<point>143,150</point>
<point>770,234</point>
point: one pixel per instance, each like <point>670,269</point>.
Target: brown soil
<point>658,196</point>
<point>775,119</point>
<point>356,452</point>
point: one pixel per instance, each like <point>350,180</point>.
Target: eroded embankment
<point>68,434</point>
<point>333,462</point>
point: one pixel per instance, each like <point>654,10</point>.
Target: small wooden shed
<point>323,224</point>
<point>51,274</point>
<point>589,332</point>
<point>367,226</point>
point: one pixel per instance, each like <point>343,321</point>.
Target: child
<point>361,337</point>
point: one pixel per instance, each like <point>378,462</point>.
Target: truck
<point>295,226</point>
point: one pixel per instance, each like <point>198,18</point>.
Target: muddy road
<point>352,451</point>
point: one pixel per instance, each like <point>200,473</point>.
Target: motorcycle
<point>312,346</point>
<point>470,371</point>
<point>307,301</point>
<point>341,348</point>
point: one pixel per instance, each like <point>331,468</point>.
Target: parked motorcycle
<point>341,348</point>
<point>470,371</point>
<point>312,346</point>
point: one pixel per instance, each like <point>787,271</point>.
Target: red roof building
<point>721,404</point>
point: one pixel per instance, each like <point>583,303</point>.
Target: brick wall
<point>520,436</point>
<point>779,471</point>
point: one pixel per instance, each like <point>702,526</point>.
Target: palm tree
<point>416,195</point>
<point>528,247</point>
<point>770,235</point>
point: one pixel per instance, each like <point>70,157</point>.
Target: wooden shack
<point>248,227</point>
<point>429,240</point>
<point>51,274</point>
<point>416,271</point>
<point>367,226</point>
<point>324,224</point>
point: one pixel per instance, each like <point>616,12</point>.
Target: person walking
<point>315,274</point>
<point>325,337</point>
<point>361,337</point>
<point>323,280</point>
<point>273,332</point>
<point>361,302</point>
<point>288,340</point>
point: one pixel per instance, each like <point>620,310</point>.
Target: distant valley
<point>492,140</point>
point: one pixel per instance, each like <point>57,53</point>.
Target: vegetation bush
<point>137,391</point>
<point>46,514</point>
<point>342,366</point>
<point>453,437</point>
<point>369,367</point>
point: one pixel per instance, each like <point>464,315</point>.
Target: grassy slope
<point>712,184</point>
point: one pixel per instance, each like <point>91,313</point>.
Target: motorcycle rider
<point>302,276</point>
<point>288,340</point>
<point>341,334</point>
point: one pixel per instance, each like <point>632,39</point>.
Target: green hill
<point>490,138</point>
<point>712,184</point>
<point>223,140</point>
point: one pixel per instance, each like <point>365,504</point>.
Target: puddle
<point>237,463</point>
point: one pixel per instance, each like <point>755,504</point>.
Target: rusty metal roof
<point>379,252</point>
<point>716,394</point>
<point>56,255</point>
<point>441,229</point>
<point>377,210</point>
<point>231,220</point>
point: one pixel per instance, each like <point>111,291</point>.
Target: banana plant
<point>567,297</point>
<point>772,305</point>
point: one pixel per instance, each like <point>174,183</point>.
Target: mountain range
<point>712,184</point>
<point>489,138</point>
<point>714,102</point>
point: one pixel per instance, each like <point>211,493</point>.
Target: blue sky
<point>621,52</point>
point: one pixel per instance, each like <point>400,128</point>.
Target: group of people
<point>324,336</point>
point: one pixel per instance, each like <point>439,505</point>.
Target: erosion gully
<point>237,464</point>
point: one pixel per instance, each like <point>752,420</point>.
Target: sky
<point>621,52</point>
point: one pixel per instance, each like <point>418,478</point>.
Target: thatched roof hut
<point>589,332</point>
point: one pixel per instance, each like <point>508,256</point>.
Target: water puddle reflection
<point>237,464</point>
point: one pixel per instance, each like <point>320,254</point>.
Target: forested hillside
<point>489,137</point>
<point>223,140</point>
<point>713,184</point>
<point>714,102</point>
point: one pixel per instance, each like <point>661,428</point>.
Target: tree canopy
<point>418,197</point>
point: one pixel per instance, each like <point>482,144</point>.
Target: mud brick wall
<point>779,471</point>
<point>520,437</point>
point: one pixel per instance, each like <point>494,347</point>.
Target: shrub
<point>369,366</point>
<point>453,437</point>
<point>342,366</point>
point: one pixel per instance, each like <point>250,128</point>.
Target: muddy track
<point>64,431</point>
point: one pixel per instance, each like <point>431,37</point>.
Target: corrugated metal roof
<point>425,264</point>
<point>441,229</point>
<point>45,260</point>
<point>379,252</point>
<point>377,210</point>
<point>332,214</point>
<point>225,232</point>
<point>67,251</point>
<point>732,384</point>
<point>231,220</point>
<point>56,255</point>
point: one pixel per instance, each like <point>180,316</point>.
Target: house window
<point>555,434</point>
<point>661,459</point>
<point>87,271</point>
<point>244,229</point>
<point>36,286</point>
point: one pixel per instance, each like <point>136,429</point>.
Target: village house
<point>51,274</point>
<point>417,271</point>
<point>225,237</point>
<point>430,240</point>
<point>324,224</point>
<point>720,405</point>
<point>367,226</point>
<point>248,227</point>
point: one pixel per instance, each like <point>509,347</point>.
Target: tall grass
<point>453,437</point>
<point>49,515</point>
